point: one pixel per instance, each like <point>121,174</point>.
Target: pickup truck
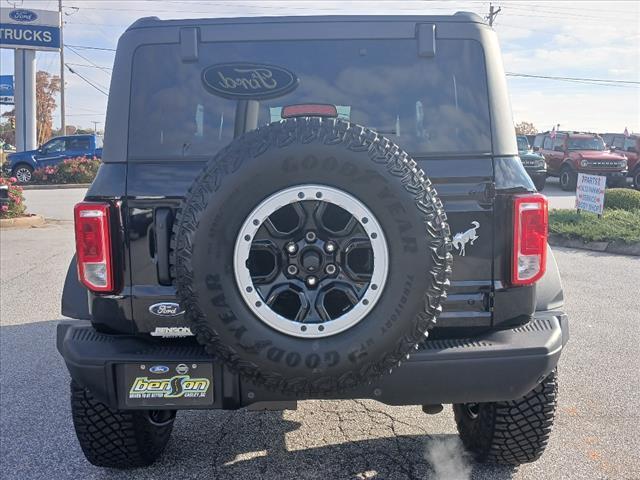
<point>22,164</point>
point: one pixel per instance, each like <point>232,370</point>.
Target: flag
<point>626,132</point>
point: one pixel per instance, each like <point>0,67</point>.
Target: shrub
<point>622,199</point>
<point>16,206</point>
<point>74,170</point>
<point>615,225</point>
<point>44,175</point>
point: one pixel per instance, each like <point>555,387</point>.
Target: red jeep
<point>570,153</point>
<point>629,146</point>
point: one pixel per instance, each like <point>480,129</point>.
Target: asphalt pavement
<point>595,434</point>
<point>55,203</point>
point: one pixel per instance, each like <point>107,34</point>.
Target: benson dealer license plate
<point>168,384</point>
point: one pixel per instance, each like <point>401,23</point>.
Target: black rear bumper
<point>501,365</point>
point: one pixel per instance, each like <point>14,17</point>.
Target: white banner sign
<point>590,193</point>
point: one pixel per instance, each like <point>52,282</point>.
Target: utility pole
<point>63,120</point>
<point>493,13</point>
<point>95,126</point>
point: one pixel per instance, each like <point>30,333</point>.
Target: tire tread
<point>330,132</point>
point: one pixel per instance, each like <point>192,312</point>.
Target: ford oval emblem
<point>22,15</point>
<point>166,309</point>
<point>248,81</point>
<point>159,369</point>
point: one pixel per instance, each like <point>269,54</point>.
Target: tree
<point>8,128</point>
<point>526,128</point>
<point>47,86</point>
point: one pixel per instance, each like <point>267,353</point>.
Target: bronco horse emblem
<point>460,239</point>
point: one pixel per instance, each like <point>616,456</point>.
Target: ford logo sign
<point>22,15</point>
<point>248,81</point>
<point>159,369</point>
<point>166,309</point>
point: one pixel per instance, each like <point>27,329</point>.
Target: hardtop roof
<point>458,17</point>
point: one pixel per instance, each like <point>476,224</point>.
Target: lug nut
<point>330,247</point>
<point>310,236</point>
<point>292,248</point>
<point>330,269</point>
<point>292,270</point>
<point>311,281</point>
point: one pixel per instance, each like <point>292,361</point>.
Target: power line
<point>88,60</point>
<point>88,66</point>
<point>86,80</point>
<point>86,47</point>
<point>593,81</point>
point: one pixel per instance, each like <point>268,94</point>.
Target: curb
<point>22,222</point>
<point>619,248</point>
<point>55,186</point>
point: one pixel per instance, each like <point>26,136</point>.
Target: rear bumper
<point>501,365</point>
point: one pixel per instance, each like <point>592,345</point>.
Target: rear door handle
<point>163,223</point>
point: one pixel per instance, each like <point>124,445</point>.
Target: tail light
<point>309,110</point>
<point>530,225</point>
<point>93,246</point>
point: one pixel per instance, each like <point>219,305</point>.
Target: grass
<point>615,225</point>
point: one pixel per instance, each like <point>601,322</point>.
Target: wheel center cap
<point>311,260</point>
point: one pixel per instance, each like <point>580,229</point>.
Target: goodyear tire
<point>322,159</point>
<point>512,432</point>
<point>118,438</point>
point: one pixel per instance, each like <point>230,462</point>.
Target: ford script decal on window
<point>248,81</point>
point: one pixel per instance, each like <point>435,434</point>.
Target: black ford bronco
<point>311,208</point>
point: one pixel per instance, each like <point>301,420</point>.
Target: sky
<point>588,40</point>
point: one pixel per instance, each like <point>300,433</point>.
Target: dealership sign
<point>25,28</point>
<point>6,90</point>
<point>590,193</point>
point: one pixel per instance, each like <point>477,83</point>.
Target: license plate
<point>168,384</point>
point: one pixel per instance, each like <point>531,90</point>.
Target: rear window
<point>426,105</point>
<point>82,143</point>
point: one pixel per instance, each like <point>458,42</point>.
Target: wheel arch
<point>75,300</point>
<point>24,161</point>
<point>568,163</point>
<point>549,290</point>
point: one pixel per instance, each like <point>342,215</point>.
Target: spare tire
<point>311,255</point>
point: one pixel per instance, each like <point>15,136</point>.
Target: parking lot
<point>595,434</point>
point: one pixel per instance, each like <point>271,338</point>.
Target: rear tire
<point>568,179</point>
<point>636,179</point>
<point>513,432</point>
<point>118,438</point>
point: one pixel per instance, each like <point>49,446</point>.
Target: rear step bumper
<point>501,365</point>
